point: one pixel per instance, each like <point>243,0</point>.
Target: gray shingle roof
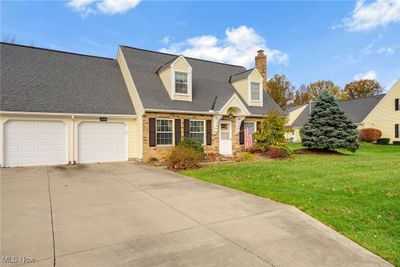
<point>209,80</point>
<point>240,76</point>
<point>42,80</point>
<point>355,109</point>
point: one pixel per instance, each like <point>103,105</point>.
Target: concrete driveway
<point>126,214</point>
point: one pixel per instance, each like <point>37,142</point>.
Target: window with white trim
<point>255,91</point>
<point>197,131</point>
<point>164,131</point>
<point>181,82</point>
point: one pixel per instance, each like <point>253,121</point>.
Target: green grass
<point>355,194</point>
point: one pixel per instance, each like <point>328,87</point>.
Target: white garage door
<point>102,142</point>
<point>30,143</point>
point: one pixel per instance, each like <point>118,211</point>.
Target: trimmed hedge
<point>383,141</point>
<point>396,143</point>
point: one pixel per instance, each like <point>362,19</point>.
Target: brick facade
<point>160,152</point>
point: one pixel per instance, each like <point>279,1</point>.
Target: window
<point>397,104</point>
<point>164,130</point>
<point>181,83</point>
<point>250,125</point>
<point>196,131</point>
<point>255,91</point>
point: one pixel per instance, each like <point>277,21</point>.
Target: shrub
<point>182,158</point>
<point>213,156</point>
<point>193,144</point>
<point>245,156</point>
<point>383,141</point>
<point>370,135</point>
<point>256,149</point>
<point>276,152</point>
<point>328,128</point>
<point>396,143</point>
<point>153,161</point>
<point>272,130</point>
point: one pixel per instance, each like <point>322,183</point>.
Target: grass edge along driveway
<point>357,194</point>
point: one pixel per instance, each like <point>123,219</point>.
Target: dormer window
<point>181,83</point>
<point>255,91</point>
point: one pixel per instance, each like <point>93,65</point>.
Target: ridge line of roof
<point>341,101</point>
<point>57,51</point>
<point>169,54</point>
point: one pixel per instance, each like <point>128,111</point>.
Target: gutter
<point>67,114</point>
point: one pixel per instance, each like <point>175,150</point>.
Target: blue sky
<point>307,41</point>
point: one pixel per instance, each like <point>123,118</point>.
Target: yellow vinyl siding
<point>242,87</point>
<point>165,77</point>
<point>181,65</point>
<point>135,100</point>
<point>384,116</point>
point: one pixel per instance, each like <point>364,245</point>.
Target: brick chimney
<point>261,66</point>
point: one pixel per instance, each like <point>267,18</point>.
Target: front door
<point>225,138</point>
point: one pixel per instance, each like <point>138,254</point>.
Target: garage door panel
<point>102,142</point>
<point>29,143</point>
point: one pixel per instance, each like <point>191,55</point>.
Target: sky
<point>304,40</point>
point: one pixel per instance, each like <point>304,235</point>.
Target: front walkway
<point>125,214</point>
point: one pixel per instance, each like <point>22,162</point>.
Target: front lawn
<point>355,194</point>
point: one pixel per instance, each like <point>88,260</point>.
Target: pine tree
<point>328,127</point>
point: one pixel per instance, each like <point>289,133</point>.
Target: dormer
<point>249,84</point>
<point>177,79</point>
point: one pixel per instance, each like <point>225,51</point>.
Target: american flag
<point>248,137</point>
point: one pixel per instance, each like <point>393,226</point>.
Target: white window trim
<point>204,131</point>
<point>260,93</point>
<point>253,122</point>
<point>173,132</point>
<point>189,76</point>
<point>255,102</point>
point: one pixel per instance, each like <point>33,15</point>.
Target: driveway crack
<point>51,217</point>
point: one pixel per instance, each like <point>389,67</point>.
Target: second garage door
<point>102,142</point>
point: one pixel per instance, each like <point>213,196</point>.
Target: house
<point>381,112</point>
<point>59,107</point>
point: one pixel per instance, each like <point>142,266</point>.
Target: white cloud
<point>167,39</point>
<point>239,46</point>
<point>386,50</point>
<point>369,15</point>
<point>370,75</point>
<point>86,7</point>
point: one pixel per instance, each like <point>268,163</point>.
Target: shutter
<point>186,128</point>
<point>396,104</point>
<point>396,130</point>
<point>152,132</point>
<point>241,134</point>
<point>209,133</point>
<point>177,131</point>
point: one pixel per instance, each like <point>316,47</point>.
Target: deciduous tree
<point>301,96</point>
<point>281,90</point>
<point>316,88</point>
<point>362,88</point>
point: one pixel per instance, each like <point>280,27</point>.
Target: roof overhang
<point>66,114</point>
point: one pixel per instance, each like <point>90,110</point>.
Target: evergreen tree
<point>328,127</point>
